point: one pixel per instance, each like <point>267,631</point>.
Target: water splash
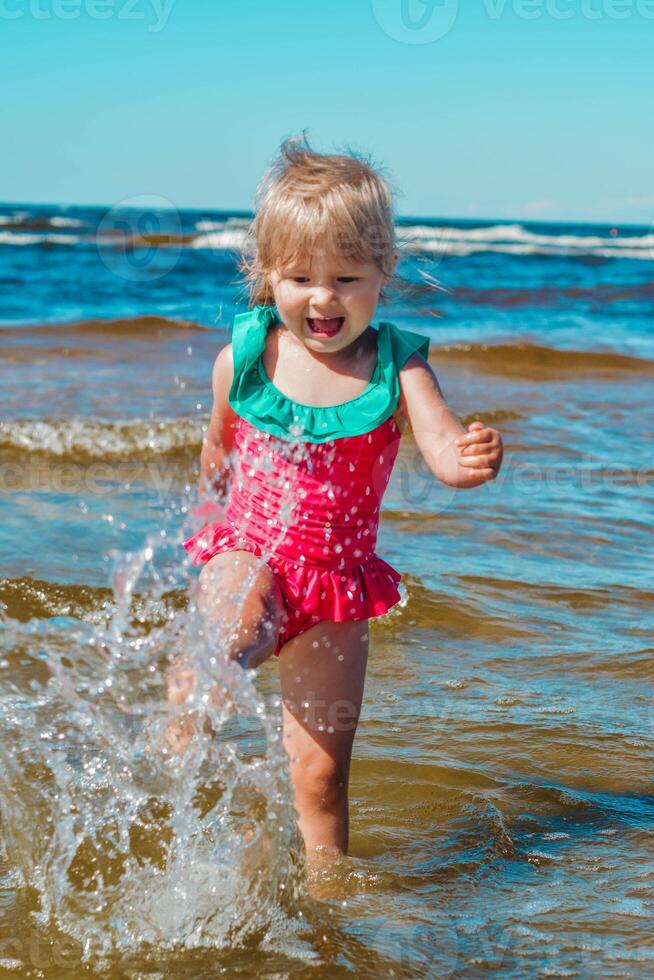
<point>120,844</point>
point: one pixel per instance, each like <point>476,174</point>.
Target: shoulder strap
<point>394,348</point>
<point>399,345</point>
<point>249,336</point>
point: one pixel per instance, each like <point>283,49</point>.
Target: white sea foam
<point>61,222</point>
<point>209,225</point>
<point>18,238</point>
<point>97,438</point>
<point>517,240</point>
<point>26,238</point>
<point>562,246</point>
<point>512,238</point>
<point>231,223</point>
<point>227,239</point>
<point>501,232</point>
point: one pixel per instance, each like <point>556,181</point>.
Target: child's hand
<point>480,451</point>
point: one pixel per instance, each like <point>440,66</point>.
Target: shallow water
<point>502,806</point>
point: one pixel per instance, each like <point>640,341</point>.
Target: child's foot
<point>327,869</point>
<point>181,681</point>
<point>180,731</point>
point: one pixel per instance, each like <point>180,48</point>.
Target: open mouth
<point>327,327</point>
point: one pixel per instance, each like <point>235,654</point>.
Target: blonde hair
<point>310,202</point>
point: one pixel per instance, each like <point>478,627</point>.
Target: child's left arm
<point>456,457</point>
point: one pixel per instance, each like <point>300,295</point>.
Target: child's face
<point>335,287</point>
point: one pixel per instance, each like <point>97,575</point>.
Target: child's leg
<point>322,674</point>
<point>220,586</point>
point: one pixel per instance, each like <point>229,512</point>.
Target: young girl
<point>309,402</point>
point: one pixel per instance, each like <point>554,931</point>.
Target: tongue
<point>331,326</point>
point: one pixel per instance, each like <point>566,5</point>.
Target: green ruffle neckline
<point>255,398</point>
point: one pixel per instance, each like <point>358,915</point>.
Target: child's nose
<point>322,294</point>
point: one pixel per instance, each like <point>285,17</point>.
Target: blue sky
<point>534,109</point>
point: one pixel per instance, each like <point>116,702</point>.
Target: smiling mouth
<point>327,327</point>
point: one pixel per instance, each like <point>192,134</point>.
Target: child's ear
<point>394,261</point>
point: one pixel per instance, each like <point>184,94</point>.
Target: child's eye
<point>303,279</point>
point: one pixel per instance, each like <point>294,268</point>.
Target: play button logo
<point>415,21</point>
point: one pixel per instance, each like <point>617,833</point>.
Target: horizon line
<point>240,212</point>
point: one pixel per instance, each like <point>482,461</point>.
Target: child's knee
<point>320,781</point>
<point>237,581</point>
<point>237,592</point>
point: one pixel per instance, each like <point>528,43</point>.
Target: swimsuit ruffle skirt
<point>308,483</point>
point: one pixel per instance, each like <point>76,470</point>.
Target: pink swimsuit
<point>309,504</point>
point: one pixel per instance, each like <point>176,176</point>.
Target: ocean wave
<point>37,221</point>
<point>537,361</point>
<point>138,327</point>
<point>20,238</point>
<point>516,239</point>
<point>462,249</point>
<point>142,440</point>
<point>497,232</point>
<point>209,225</point>
<point>59,221</point>
<point>27,598</point>
<point>447,239</point>
<point>228,238</point>
<point>599,295</point>
<point>136,442</point>
<point>454,615</point>
<point>121,240</point>
<point>501,234</point>
<point>83,440</point>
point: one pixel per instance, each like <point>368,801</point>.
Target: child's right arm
<point>217,444</point>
